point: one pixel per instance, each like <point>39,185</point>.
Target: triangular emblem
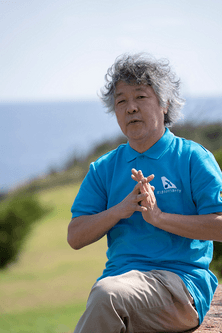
<point>167,184</point>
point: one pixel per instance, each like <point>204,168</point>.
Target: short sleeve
<point>206,182</point>
<point>91,198</point>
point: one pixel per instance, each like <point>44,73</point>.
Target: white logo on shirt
<point>167,184</point>
<point>168,187</point>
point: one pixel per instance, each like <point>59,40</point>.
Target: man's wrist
<point>115,213</point>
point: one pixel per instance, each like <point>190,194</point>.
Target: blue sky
<point>60,50</point>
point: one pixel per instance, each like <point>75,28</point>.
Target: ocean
<point>37,137</point>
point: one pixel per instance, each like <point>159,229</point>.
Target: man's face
<point>139,115</point>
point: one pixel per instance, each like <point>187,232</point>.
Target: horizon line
<point>89,99</point>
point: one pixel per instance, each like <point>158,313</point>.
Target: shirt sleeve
<point>206,182</point>
<point>91,198</point>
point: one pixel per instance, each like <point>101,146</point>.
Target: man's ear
<point>165,110</point>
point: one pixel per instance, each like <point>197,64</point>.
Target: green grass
<point>46,290</point>
<point>61,319</point>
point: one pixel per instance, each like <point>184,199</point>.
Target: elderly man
<point>160,228</point>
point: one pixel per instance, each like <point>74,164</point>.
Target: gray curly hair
<point>144,69</point>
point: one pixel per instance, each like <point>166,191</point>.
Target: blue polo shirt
<point>187,181</point>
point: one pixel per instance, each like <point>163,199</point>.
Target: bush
<point>17,215</point>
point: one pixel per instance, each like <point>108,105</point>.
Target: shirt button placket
<point>141,164</point>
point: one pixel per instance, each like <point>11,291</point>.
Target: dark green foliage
<point>208,135</point>
<point>3,195</point>
<point>17,215</point>
<point>216,264</point>
<point>218,156</point>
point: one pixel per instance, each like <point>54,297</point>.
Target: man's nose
<point>131,107</point>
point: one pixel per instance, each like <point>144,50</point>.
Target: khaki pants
<point>155,301</point>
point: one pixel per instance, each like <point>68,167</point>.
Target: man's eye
<point>121,101</point>
<point>140,97</point>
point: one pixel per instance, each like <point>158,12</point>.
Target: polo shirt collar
<point>154,152</point>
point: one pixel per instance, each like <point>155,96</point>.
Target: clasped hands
<point>151,212</point>
<point>141,199</point>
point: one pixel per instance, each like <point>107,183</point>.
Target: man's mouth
<point>134,121</point>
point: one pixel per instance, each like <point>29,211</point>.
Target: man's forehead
<point>121,85</point>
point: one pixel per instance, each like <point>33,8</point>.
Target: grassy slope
<point>47,289</point>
